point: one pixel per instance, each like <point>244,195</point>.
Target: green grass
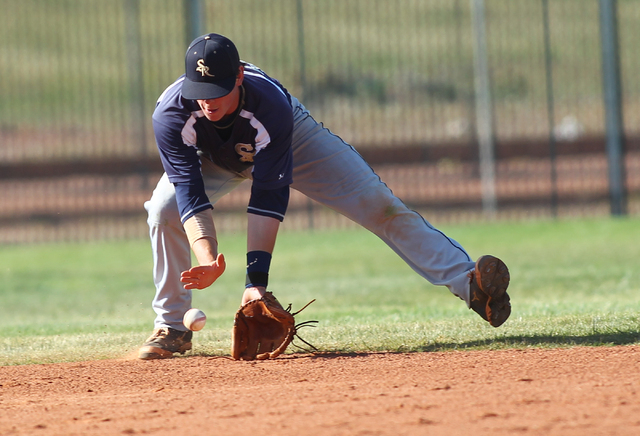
<point>573,283</point>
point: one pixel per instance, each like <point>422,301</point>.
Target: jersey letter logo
<point>203,69</point>
<point>246,152</point>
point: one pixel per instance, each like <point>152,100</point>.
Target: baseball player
<point>225,121</point>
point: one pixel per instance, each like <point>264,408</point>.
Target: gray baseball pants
<point>331,172</point>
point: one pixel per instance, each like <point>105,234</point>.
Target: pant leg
<point>330,171</point>
<point>169,244</point>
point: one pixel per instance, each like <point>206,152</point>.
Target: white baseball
<point>194,319</point>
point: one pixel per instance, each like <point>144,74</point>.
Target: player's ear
<point>240,76</point>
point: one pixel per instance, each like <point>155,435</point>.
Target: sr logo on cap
<point>202,68</point>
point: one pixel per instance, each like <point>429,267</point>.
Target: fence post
<point>550,108</point>
<point>303,85</point>
<point>194,20</point>
<point>136,81</point>
<point>613,105</point>
<point>484,109</point>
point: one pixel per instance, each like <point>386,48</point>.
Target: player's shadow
<point>525,341</point>
<point>503,342</point>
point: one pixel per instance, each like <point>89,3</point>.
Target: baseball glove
<point>263,329</point>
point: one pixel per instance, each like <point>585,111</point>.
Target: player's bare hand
<point>253,293</point>
<point>202,276</point>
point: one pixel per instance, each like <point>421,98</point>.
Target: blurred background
<point>467,109</point>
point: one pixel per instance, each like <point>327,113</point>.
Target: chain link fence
<point>395,78</point>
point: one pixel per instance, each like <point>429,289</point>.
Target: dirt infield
<point>576,391</point>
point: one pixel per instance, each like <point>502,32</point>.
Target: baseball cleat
<point>164,342</point>
<point>488,290</point>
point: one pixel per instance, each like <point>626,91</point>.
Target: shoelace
<point>160,333</point>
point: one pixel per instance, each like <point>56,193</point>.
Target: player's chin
<point>212,116</point>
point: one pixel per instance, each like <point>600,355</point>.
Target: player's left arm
<point>266,211</point>
<point>272,176</point>
<point>261,239</point>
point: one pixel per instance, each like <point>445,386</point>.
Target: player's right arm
<point>201,233</point>
<point>175,138</point>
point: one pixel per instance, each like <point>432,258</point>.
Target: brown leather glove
<point>262,329</point>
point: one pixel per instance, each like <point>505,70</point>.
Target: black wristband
<point>258,263</point>
<point>256,278</point>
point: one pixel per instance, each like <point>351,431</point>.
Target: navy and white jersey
<point>260,138</point>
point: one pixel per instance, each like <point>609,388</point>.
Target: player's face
<point>217,108</point>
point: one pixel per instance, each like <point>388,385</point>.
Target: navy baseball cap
<point>211,66</point>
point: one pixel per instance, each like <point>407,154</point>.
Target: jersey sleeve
<point>270,114</point>
<point>269,202</point>
<point>273,163</point>
<point>179,158</point>
<point>180,161</point>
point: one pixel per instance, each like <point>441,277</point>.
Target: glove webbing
<point>293,332</point>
